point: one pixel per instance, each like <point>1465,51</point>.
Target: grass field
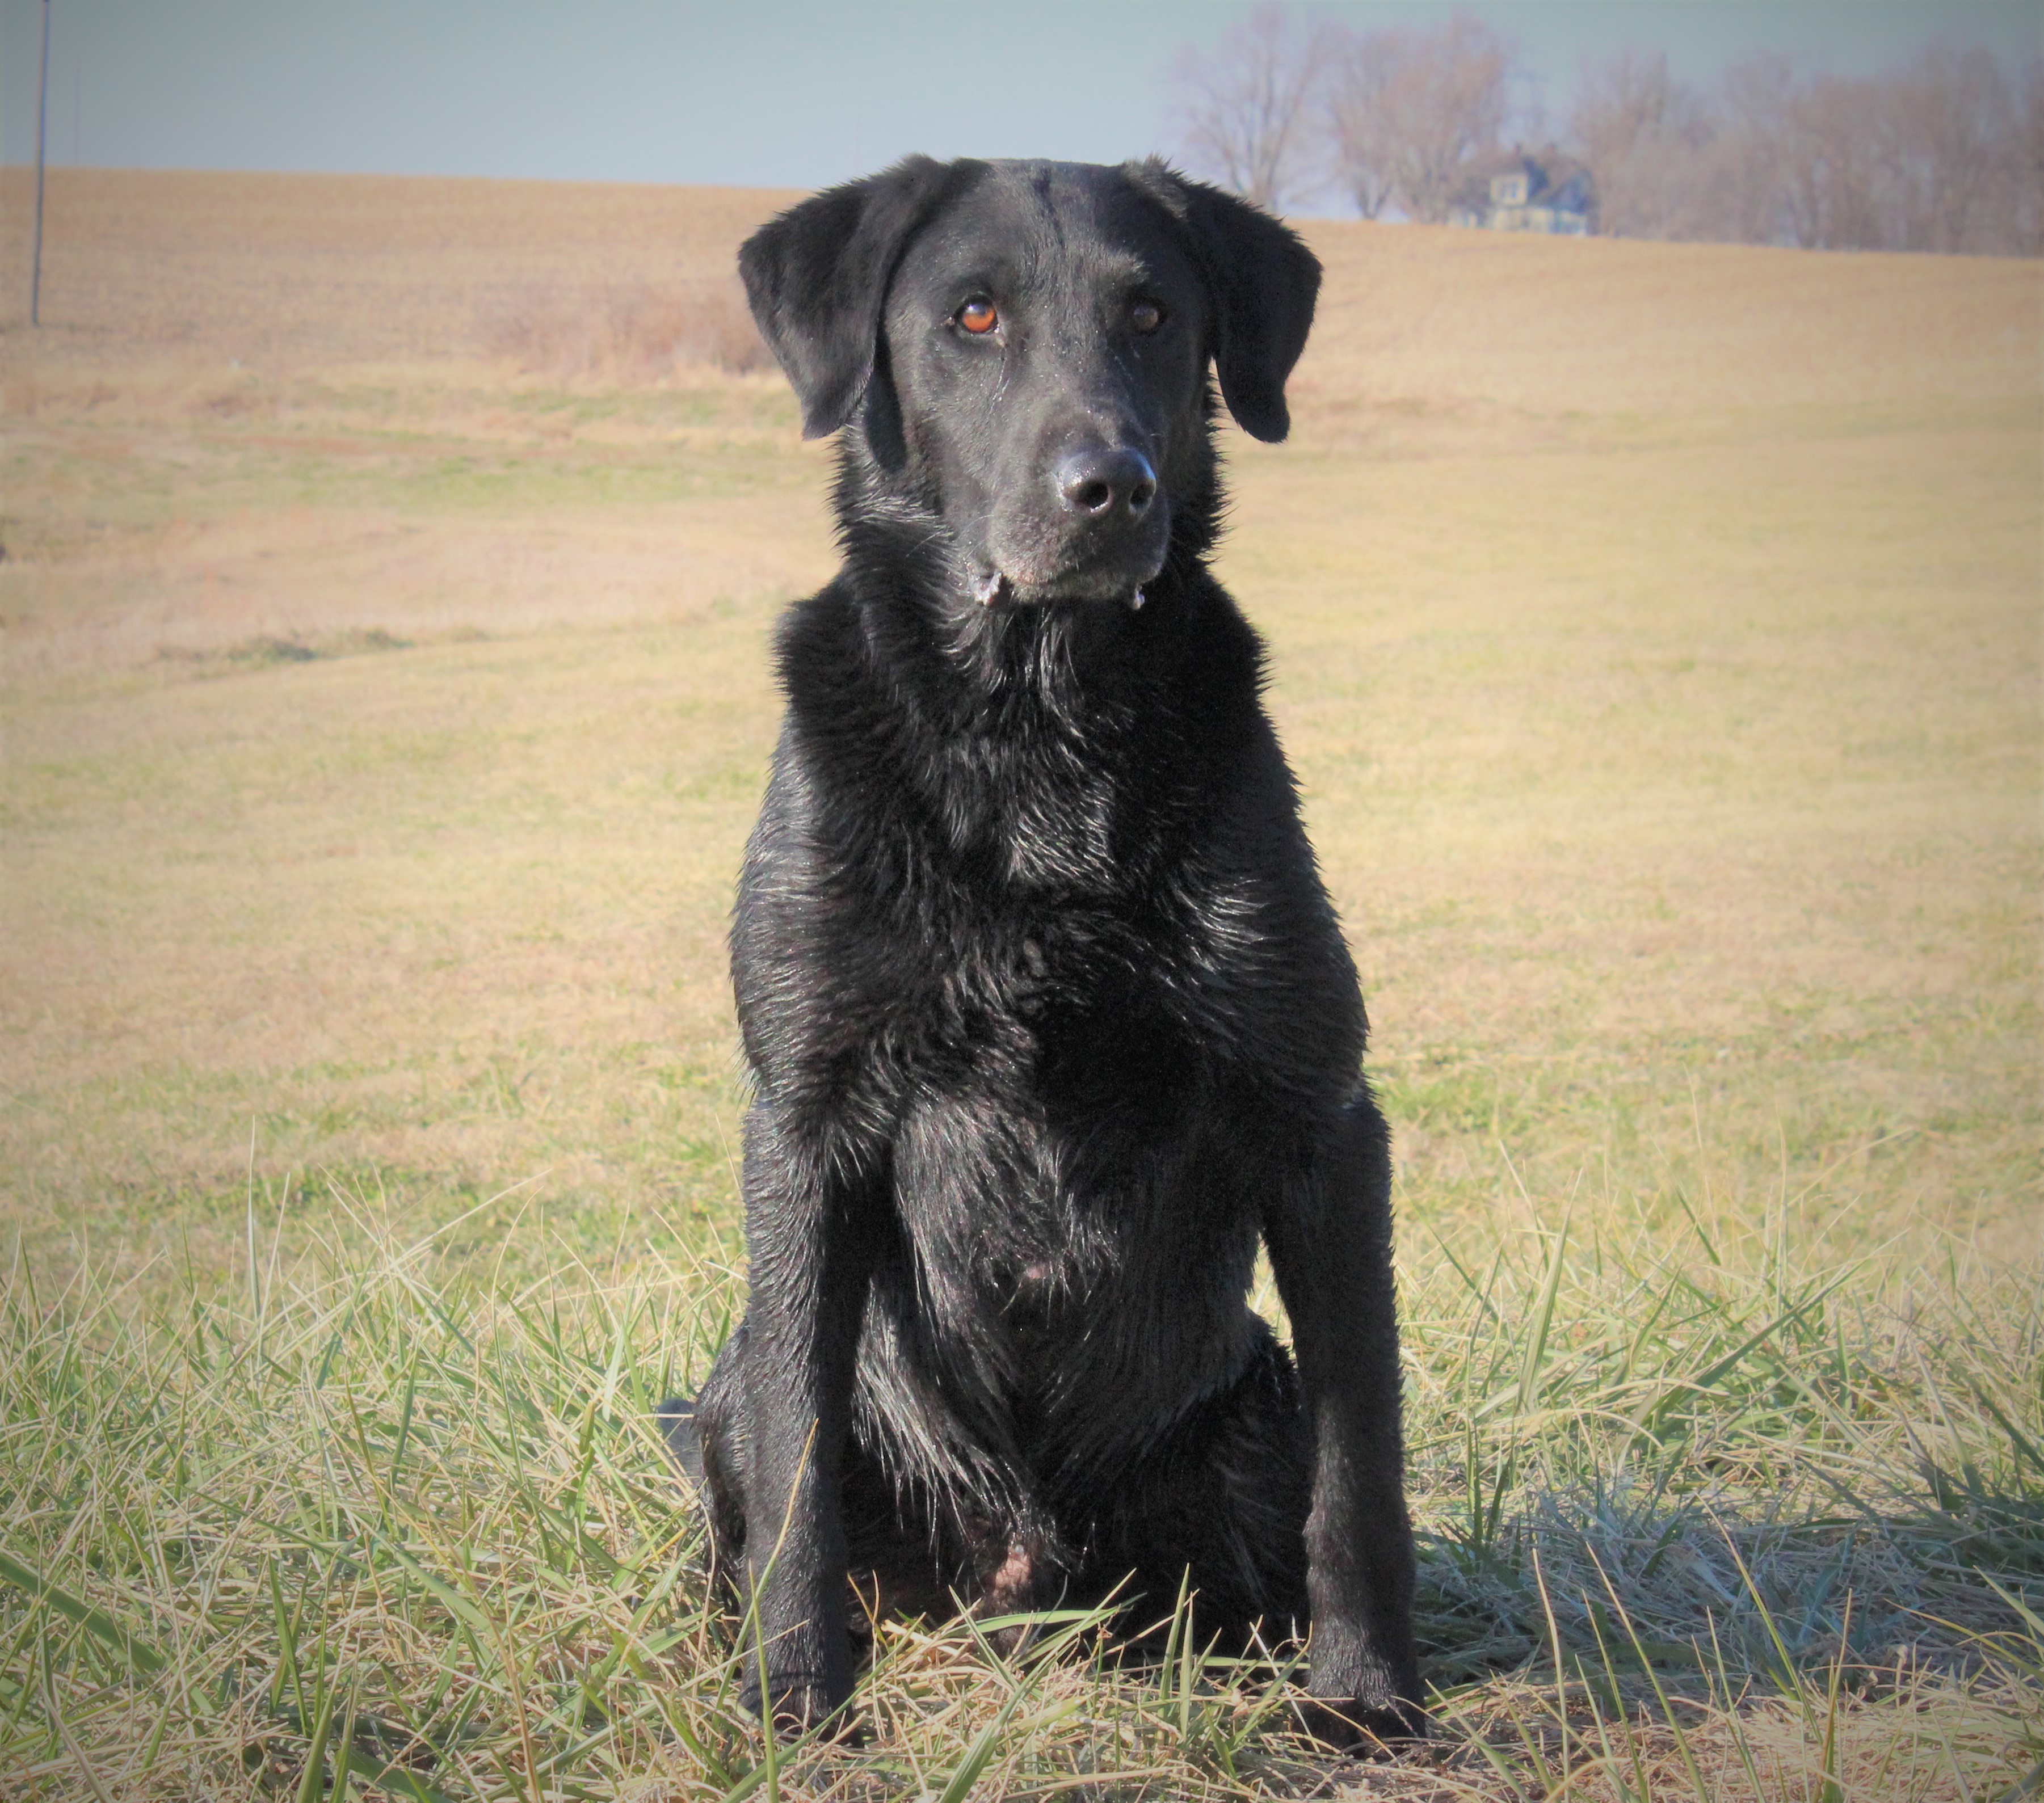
<point>1655,630</point>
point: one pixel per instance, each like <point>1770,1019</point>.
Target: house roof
<point>1552,179</point>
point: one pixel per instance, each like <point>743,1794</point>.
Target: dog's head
<point>1023,349</point>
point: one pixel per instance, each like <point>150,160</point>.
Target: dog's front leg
<point>808,1234</point>
<point>1329,1233</point>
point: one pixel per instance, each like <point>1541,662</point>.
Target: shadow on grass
<point>1635,1580</point>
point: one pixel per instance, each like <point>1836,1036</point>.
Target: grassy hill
<point>389,566</point>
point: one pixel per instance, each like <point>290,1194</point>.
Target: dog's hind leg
<point>1218,1505</point>
<point>892,1543</point>
<point>701,1435</point>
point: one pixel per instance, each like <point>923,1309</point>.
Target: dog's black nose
<point>1100,482</point>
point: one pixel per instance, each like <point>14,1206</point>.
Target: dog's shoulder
<point>818,655</point>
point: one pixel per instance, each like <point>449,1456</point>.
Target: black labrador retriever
<point>1050,1018</point>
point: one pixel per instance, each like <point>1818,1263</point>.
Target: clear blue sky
<point>769,93</point>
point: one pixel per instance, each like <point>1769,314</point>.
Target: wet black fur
<point>1049,1018</point>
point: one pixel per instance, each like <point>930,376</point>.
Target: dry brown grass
<point>629,336</point>
<point>1631,335</point>
<point>1655,629</point>
<point>278,271</point>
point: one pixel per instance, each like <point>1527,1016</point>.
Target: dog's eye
<point>979,317</point>
<point>1146,317</point>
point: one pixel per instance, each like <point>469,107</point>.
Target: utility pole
<point>42,135</point>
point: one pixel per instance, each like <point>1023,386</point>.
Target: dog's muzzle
<point>1101,537</point>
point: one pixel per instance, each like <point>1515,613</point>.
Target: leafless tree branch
<point>1247,107</point>
<point>1410,113</point>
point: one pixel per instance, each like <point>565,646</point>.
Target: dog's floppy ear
<point>1262,282</point>
<point>817,275</point>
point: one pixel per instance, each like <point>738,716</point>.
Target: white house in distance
<point>1524,193</point>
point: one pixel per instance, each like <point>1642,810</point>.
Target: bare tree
<point>1412,111</point>
<point>1949,128</point>
<point>1248,107</point>
<point>1753,156</point>
<point>1646,139</point>
<point>1930,156</point>
<point>2024,172</point>
<point>1359,122</point>
<point>1853,126</point>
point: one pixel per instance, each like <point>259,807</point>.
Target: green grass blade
<point>96,1622</point>
<point>312,1781</point>
<point>1543,1315</point>
<point>979,1756</point>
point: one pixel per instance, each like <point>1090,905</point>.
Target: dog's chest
<point>1026,809</point>
<point>1072,1013</point>
<point>1060,1096</point>
<point>1057,1267</point>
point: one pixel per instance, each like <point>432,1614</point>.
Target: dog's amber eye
<point>979,317</point>
<point>1146,317</point>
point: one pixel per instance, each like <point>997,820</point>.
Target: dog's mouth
<point>992,587</point>
<point>1020,555</point>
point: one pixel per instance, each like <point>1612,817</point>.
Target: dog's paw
<point>804,1703</point>
<point>1371,1728</point>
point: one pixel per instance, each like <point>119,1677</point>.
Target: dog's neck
<point>1045,742</point>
